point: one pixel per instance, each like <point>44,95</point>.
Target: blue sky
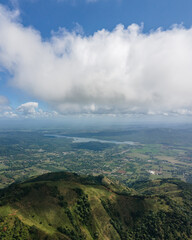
<point>94,15</point>
<point>112,79</point>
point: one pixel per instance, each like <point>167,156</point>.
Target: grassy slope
<point>67,206</point>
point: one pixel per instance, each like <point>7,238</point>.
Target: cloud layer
<point>123,71</point>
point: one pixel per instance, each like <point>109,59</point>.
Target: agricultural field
<point>128,155</point>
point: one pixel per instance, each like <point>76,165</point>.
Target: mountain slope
<point>68,206</point>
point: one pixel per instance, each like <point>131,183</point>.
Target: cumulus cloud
<point>31,110</point>
<point>122,71</point>
<point>9,114</point>
<point>28,108</point>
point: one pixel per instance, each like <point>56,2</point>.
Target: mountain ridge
<point>66,205</point>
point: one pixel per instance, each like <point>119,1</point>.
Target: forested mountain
<point>68,206</point>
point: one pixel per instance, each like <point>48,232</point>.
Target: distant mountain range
<point>64,206</point>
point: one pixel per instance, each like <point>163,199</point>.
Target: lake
<point>84,140</point>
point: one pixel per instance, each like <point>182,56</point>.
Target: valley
<point>147,154</point>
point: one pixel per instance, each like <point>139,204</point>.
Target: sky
<point>95,57</point>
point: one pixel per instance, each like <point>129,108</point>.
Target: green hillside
<point>68,206</point>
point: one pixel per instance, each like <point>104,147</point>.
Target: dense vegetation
<point>68,206</point>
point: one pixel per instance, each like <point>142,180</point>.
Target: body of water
<point>84,140</point>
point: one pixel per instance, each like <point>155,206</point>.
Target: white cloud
<point>4,105</point>
<point>32,110</point>
<point>5,110</point>
<point>3,101</point>
<point>123,71</point>
<point>9,114</point>
<point>28,108</point>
